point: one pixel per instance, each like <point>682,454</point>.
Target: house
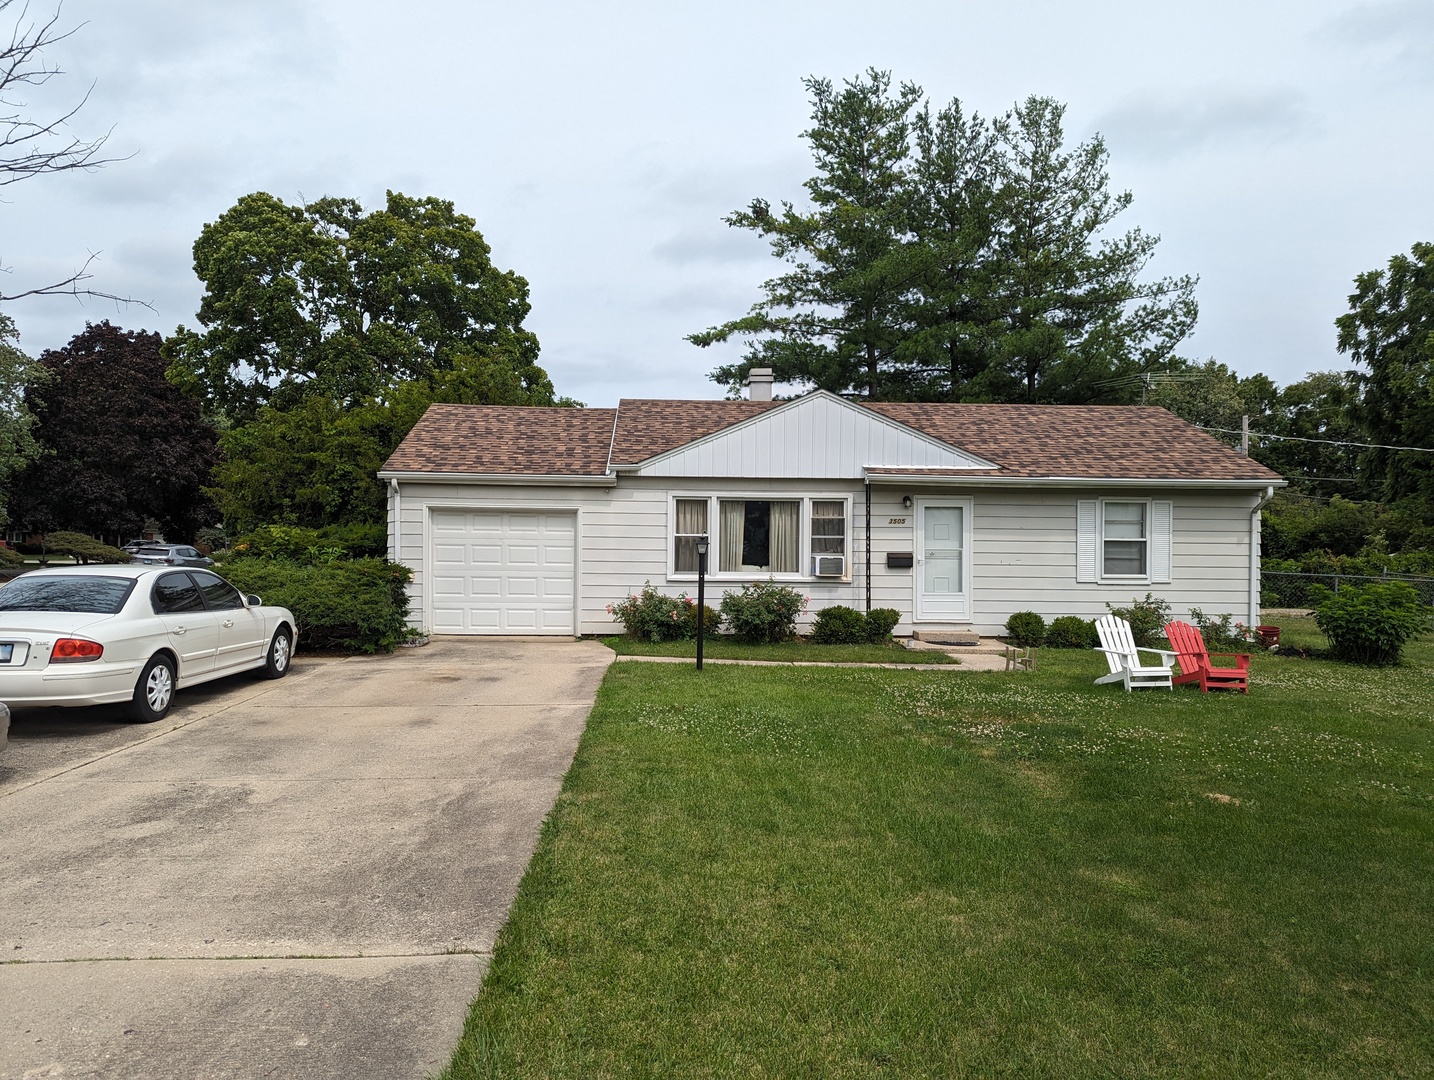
<point>532,521</point>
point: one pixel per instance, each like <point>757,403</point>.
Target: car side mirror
<point>252,601</point>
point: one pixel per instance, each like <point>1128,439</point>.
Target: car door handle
<point>177,630</point>
<point>228,622</point>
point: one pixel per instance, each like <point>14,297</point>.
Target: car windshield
<point>91,595</point>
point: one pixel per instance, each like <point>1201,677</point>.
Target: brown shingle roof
<point>1077,441</point>
<point>647,427</point>
<point>507,439</point>
<point>1085,441</point>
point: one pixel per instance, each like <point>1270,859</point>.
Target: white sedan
<point>97,635</point>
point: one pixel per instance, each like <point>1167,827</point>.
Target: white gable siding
<point>818,437</point>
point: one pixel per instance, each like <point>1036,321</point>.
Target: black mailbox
<point>899,560</point>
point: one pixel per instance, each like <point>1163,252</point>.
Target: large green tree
<point>837,317</point>
<point>1389,331</point>
<point>315,463</point>
<point>325,300</point>
<point>120,443</point>
<point>1072,307</point>
<point>945,257</point>
<point>17,440</point>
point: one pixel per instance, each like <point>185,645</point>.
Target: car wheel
<point>154,693</point>
<point>281,651</point>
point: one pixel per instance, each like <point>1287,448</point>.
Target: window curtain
<point>786,533</point>
<point>733,516</point>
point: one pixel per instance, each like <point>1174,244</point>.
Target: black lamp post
<point>702,545</point>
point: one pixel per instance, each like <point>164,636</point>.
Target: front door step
<point>948,637</point>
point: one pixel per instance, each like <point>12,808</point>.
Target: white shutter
<point>1161,515</point>
<point>1085,540</point>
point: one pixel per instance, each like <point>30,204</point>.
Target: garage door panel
<point>503,572</point>
<point>447,585</point>
<point>485,554</point>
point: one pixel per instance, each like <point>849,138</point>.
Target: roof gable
<point>818,436</point>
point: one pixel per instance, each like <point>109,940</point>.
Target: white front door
<point>503,571</point>
<point>943,564</point>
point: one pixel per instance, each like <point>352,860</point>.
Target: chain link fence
<point>1280,589</point>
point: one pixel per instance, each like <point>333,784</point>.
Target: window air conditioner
<point>828,565</point>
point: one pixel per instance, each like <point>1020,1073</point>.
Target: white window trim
<point>714,555</point>
<point>1124,579</point>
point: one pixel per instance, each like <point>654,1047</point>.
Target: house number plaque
<point>896,521</point>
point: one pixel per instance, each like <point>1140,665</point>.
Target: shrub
<point>1147,619</point>
<point>1026,629</point>
<point>838,625</point>
<point>1221,634</point>
<point>10,559</point>
<point>311,546</point>
<point>880,622</point>
<point>84,548</point>
<point>711,620</point>
<point>1072,632</point>
<point>1369,624</point>
<point>763,612</point>
<point>654,616</point>
<point>355,605</point>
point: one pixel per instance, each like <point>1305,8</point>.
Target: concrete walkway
<point>301,878</point>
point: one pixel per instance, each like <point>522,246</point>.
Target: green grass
<point>725,649</point>
<point>812,872</point>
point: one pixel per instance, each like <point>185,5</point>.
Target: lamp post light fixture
<point>702,546</point>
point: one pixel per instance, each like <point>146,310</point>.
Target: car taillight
<point>73,650</point>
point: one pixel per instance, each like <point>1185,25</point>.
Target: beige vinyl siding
<point>1022,556</point>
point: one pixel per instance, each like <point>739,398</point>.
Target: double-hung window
<point>1125,539</point>
<point>828,527</point>
<point>691,523</point>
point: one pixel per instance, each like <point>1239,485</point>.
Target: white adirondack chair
<point>1118,644</point>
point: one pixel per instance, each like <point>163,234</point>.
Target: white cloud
<point>1398,34</point>
<point>1160,127</point>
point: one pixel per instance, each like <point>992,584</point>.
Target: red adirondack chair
<point>1194,661</point>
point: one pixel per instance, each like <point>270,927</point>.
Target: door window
<point>174,593</point>
<point>218,593</point>
<point>942,568</point>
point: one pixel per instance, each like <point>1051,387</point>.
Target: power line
<point>1327,442</point>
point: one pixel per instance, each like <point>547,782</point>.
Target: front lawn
<point>817,872</point>
<point>727,649</point>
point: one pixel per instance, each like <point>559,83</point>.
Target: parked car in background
<point>99,635</point>
<point>171,555</point>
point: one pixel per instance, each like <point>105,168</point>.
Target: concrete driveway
<point>300,878</point>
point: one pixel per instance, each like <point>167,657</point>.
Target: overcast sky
<point>1278,148</point>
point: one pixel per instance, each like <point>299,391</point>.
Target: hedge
<point>352,605</point>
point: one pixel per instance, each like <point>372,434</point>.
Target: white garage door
<point>503,572</point>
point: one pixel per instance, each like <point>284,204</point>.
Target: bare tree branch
<point>30,148</point>
<point>70,286</point>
